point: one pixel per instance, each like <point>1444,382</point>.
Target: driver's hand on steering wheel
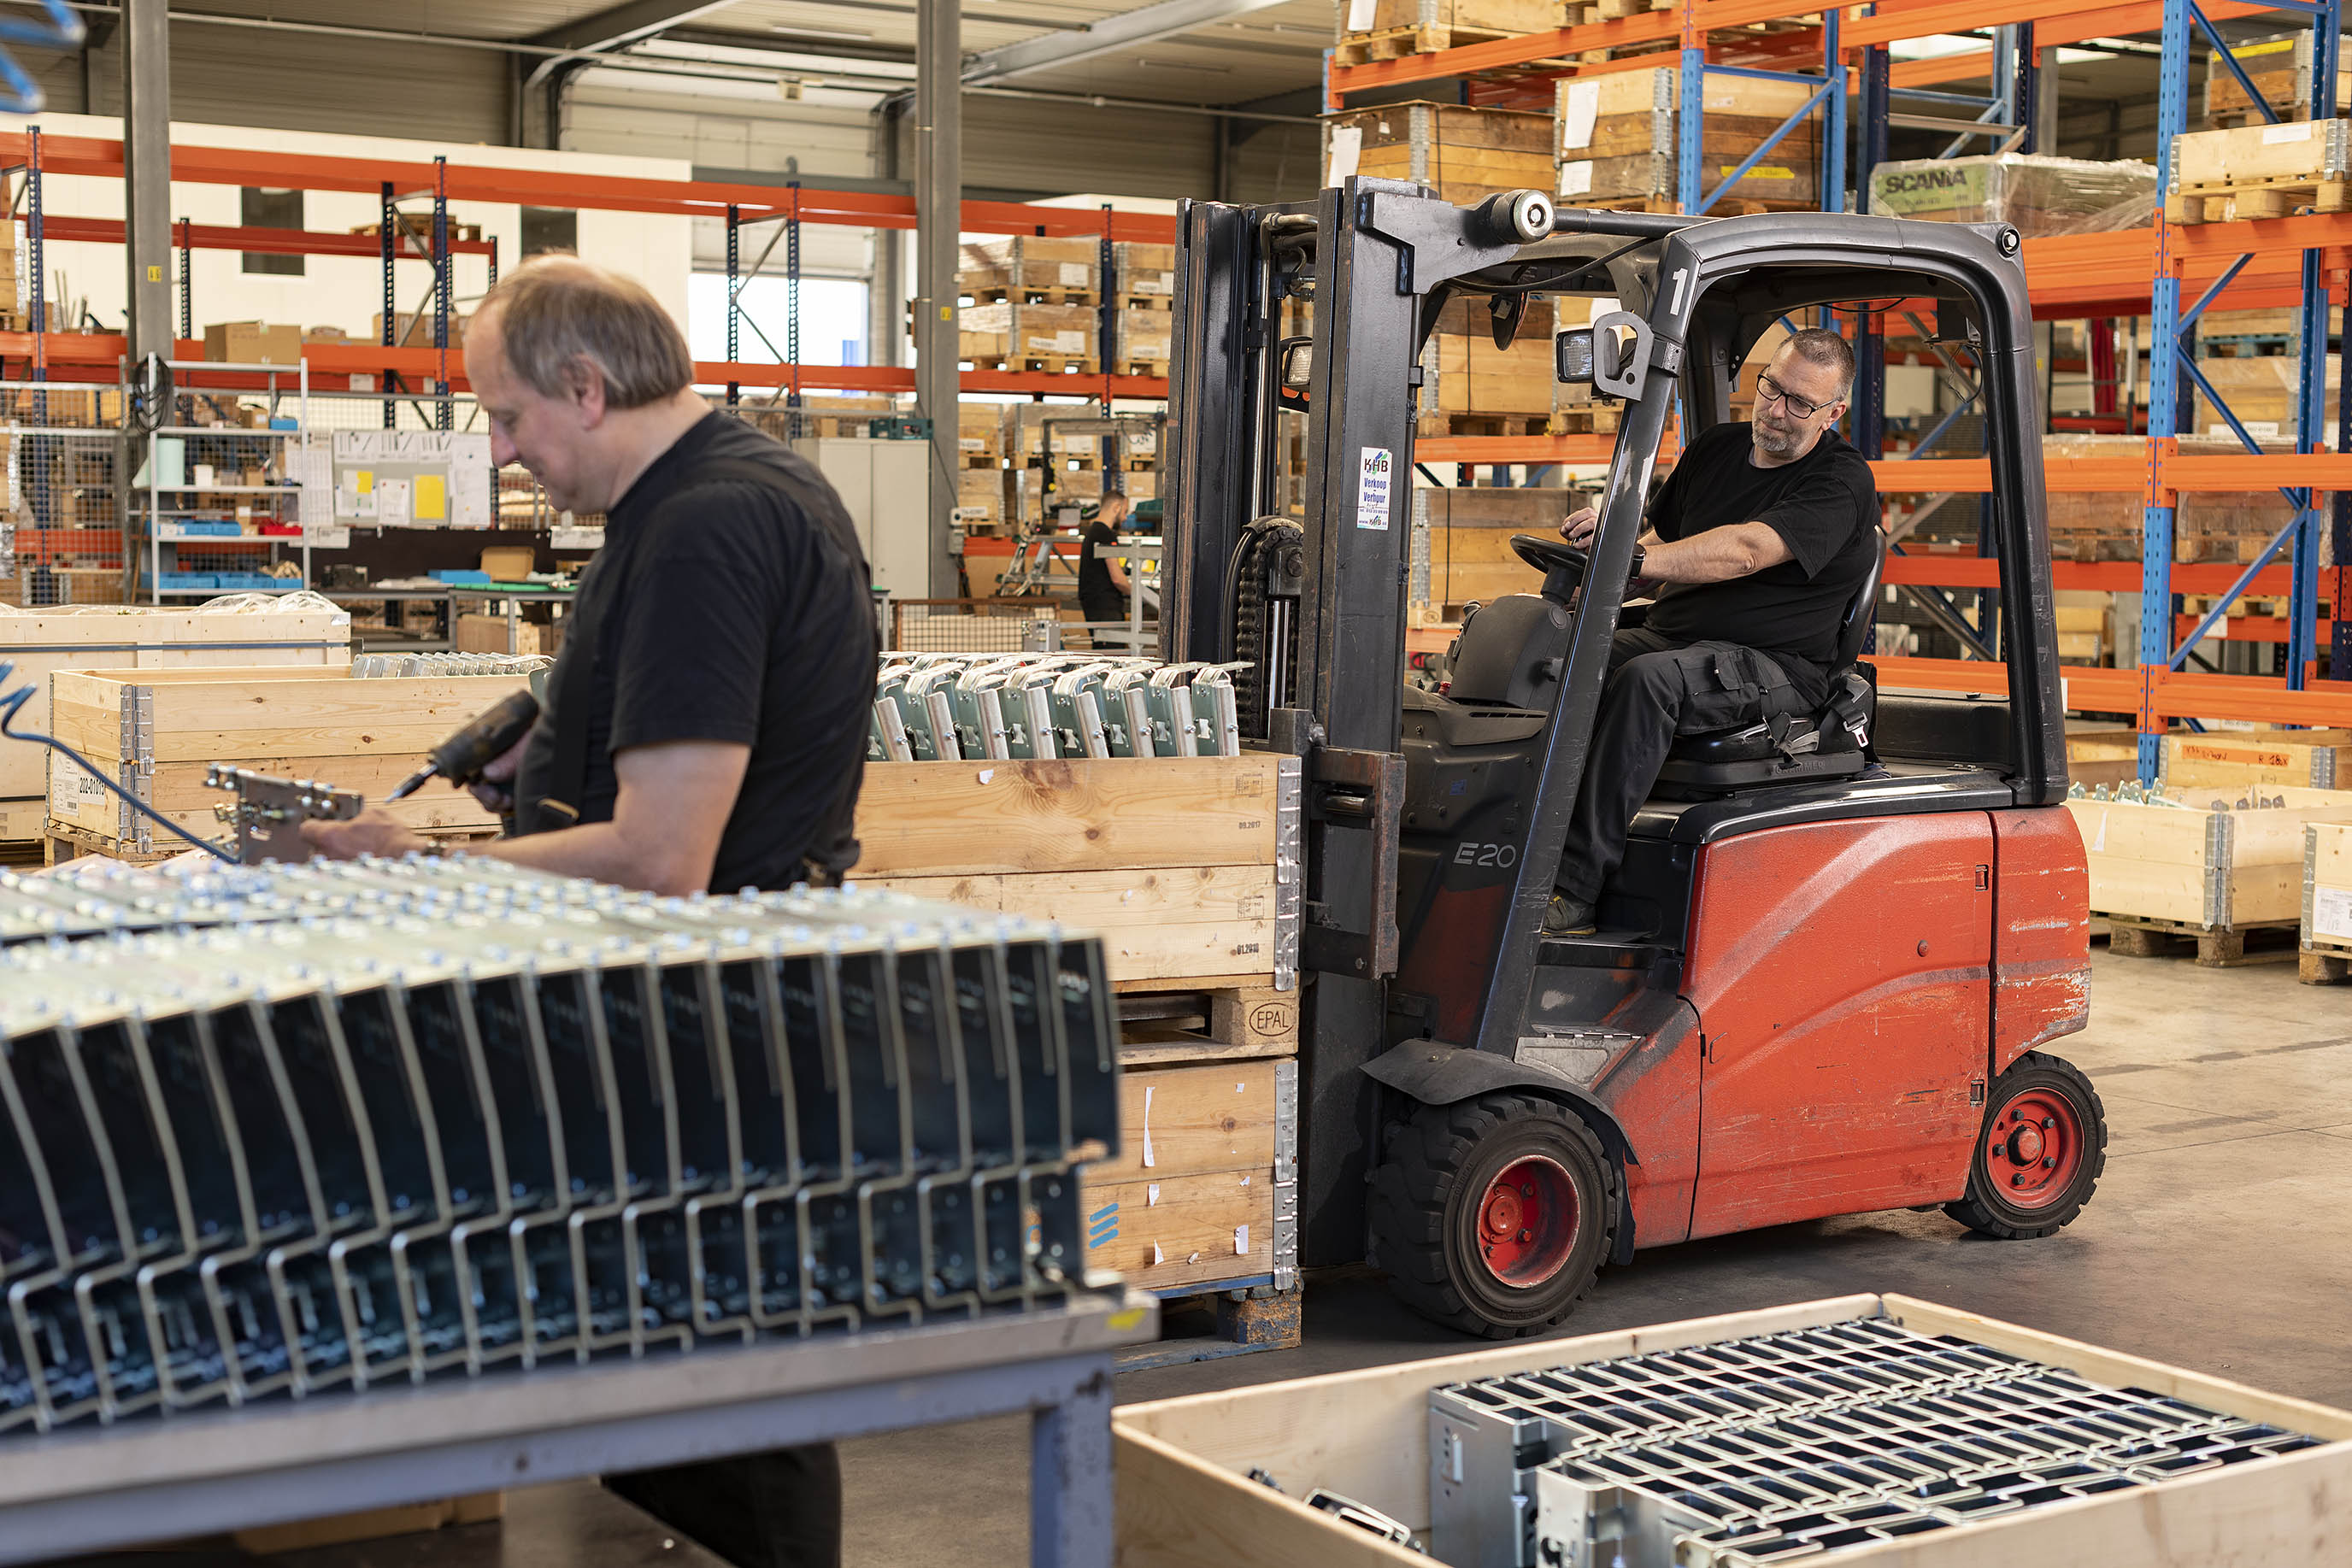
<point>1579,527</point>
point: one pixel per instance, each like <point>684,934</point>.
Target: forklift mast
<point>1314,603</point>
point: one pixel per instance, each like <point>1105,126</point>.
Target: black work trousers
<point>777,1510</point>
<point>1658,689</point>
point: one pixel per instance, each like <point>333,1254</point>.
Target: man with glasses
<point>1756,543</point>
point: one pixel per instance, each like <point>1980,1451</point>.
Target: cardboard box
<point>487,634</point>
<point>2035,194</point>
<point>253,343</point>
<point>414,329</point>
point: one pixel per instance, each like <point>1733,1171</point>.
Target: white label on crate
<point>1148,1161</point>
<point>2331,912</point>
<point>2277,135</point>
<point>2260,429</point>
<point>1076,275</point>
<point>1151,1194</point>
<point>1362,15</point>
<point>2099,839</point>
<point>71,786</point>
<point>1241,1240</point>
<point>1576,177</point>
<point>1579,107</point>
<point>1070,342</point>
<point>1374,489</point>
<point>1347,151</point>
<point>972,444</point>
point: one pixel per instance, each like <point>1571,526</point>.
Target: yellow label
<point>2275,46</point>
<point>155,275</point>
<point>1124,1319</point>
<point>1761,171</point>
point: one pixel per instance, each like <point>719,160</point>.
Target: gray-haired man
<point>1756,543</point>
<point>705,727</point>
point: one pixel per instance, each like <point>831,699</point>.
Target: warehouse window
<point>550,228</point>
<point>833,319</point>
<point>260,209</point>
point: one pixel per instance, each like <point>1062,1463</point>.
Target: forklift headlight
<point>1571,354</point>
<point>1297,364</point>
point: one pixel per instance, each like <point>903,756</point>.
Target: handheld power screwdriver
<point>461,758</point>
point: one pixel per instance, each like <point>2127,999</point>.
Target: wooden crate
<point>1617,141</point>
<point>1031,267</point>
<point>1461,543</point>
<point>1181,863</point>
<point>2280,68</point>
<point>2259,172</point>
<point>1202,1193</point>
<point>1145,274</point>
<point>364,735</point>
<point>2326,927</point>
<point>1463,154</point>
<point>1185,1499</point>
<point>2103,756</point>
<point>2232,759</point>
<point>41,643</point>
<point>2200,869</point>
<point>1016,335</point>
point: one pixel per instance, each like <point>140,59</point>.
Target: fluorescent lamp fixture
<point>847,35</point>
<point>1934,46</point>
<point>1184,66</point>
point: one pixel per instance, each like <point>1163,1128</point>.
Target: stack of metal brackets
<point>936,707</point>
<point>332,1124</point>
<point>1791,1445</point>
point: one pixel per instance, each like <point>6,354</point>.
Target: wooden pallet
<point>2218,946</point>
<point>1395,43</point>
<point>65,843</point>
<point>1443,422</point>
<point>1593,421</point>
<point>2235,202</point>
<point>1162,302</point>
<point>1051,365</point>
<point>2324,963</point>
<point>1241,1319</point>
<point>986,293</point>
<point>1139,368</point>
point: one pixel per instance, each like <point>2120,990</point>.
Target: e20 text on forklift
<point>1826,967</point>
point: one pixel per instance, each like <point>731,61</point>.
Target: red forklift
<point>1826,971</point>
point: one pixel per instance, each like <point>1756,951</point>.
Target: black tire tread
<point>1425,1157</point>
<point>1984,1217</point>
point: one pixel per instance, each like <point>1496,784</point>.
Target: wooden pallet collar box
<point>1617,140</point>
<point>2327,886</point>
<point>1185,1499</point>
<point>41,643</point>
<point>1472,376</point>
<point>156,731</point>
<point>1483,15</point>
<point>1463,154</point>
<point>1187,866</point>
<point>2226,759</point>
<point>1029,264</point>
<point>2280,68</point>
<point>1461,543</point>
<point>2279,160</point>
<point>1028,331</point>
<point>1203,1188</point>
<point>1144,268</point>
<point>2217,870</point>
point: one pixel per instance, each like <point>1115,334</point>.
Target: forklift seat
<point>1791,749</point>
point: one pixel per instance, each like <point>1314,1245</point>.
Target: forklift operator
<point>1756,543</point>
<point>704,727</point>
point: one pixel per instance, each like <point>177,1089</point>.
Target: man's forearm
<point>604,852</point>
<point>1718,555</point>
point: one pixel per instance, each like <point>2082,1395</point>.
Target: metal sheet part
<point>1800,1444</point>
<point>288,1128</point>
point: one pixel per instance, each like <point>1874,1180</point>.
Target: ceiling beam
<point>630,23</point>
<point>1127,30</point>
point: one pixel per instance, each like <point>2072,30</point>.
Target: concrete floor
<point>2220,1240</point>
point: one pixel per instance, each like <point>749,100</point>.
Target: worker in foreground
<point>1755,545</point>
<point>704,727</point>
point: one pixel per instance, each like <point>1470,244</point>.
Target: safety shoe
<point>1567,918</point>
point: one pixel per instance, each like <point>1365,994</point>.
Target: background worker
<point>1756,543</point>
<point>1103,585</point>
<point>704,727</point>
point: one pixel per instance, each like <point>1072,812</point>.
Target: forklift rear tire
<point>1493,1215</point>
<point>2039,1157</point>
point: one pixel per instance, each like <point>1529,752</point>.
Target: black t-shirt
<point>730,602</point>
<point>1823,505</point>
<point>1094,572</point>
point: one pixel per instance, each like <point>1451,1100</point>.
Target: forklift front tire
<point>2038,1159</point>
<point>1493,1215</point>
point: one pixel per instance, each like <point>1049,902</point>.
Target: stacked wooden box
<point>1143,294</point>
<point>157,730</point>
<point>1461,545</point>
<point>1180,863</point>
<point>2260,172</point>
<point>2231,760</point>
<point>1617,143</point>
<point>980,464</point>
<point>1385,29</point>
<point>1033,305</point>
<point>40,645</point>
<point>2280,68</point>
<point>2188,868</point>
<point>2326,927</point>
<point>2208,525</point>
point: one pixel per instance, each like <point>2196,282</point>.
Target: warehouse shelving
<point>2296,263</point>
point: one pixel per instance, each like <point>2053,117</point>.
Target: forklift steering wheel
<point>1564,565</point>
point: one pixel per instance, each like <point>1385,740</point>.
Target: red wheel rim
<point>1527,1222</point>
<point>2033,1148</point>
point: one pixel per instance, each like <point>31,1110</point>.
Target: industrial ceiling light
<point>847,35</point>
